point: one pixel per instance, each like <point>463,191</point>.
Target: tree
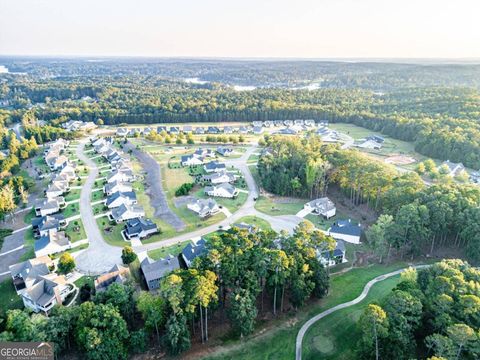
<point>177,337</point>
<point>153,309</point>
<point>461,335</point>
<point>120,296</point>
<point>138,341</point>
<point>242,312</point>
<point>66,263</point>
<point>374,325</point>
<point>128,255</point>
<point>376,235</point>
<point>420,169</point>
<point>101,332</point>
<point>429,165</point>
<point>60,327</point>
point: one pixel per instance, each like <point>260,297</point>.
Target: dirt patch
<point>400,160</point>
<point>183,200</point>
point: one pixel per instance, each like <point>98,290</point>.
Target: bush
<point>128,255</point>
<point>66,263</point>
<point>184,189</point>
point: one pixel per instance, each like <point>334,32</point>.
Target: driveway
<point>155,191</point>
<point>100,257</point>
<point>11,252</point>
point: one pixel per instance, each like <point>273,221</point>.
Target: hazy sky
<point>242,28</point>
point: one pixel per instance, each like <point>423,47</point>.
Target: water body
<point>196,80</point>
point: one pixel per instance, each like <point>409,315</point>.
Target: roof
<point>111,186</point>
<point>346,227</point>
<point>48,222</point>
<point>154,270</point>
<point>116,275</point>
<point>130,195</point>
<point>212,165</point>
<point>192,251</point>
<point>225,186</point>
<point>322,204</point>
<point>137,225</point>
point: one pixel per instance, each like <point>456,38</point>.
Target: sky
<point>242,28</point>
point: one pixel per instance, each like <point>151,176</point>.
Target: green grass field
<point>164,251</point>
<point>85,280</point>
<point>71,210</point>
<point>231,204</point>
<point>276,339</point>
<point>336,336</point>
<point>29,241</point>
<point>111,233</point>
<point>8,297</point>
<point>73,194</point>
<point>98,195</point>
<point>270,207</point>
<point>99,209</point>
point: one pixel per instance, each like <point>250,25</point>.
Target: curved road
<point>363,295</point>
<point>278,223</point>
<point>99,257</point>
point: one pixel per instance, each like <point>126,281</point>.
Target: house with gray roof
<point>49,206</point>
<point>52,242</point>
<point>126,212</point>
<point>42,225</point>
<point>193,250</point>
<point>346,230</point>
<point>224,190</point>
<point>214,166</point>
<point>219,178</point>
<point>454,169</point>
<point>120,198</point>
<point>139,228</point>
<point>116,186</point>
<point>322,206</point>
<point>336,256</point>
<point>224,150</point>
<point>199,131</point>
<point>117,275</point>
<point>204,207</point>
<point>155,271</point>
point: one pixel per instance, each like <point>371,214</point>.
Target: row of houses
<point>187,129</point>
<point>77,125</point>
<point>121,199</point>
<point>49,224</point>
<point>278,123</point>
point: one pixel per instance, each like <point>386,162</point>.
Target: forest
<point>242,276</point>
<point>433,312</point>
<point>440,118</point>
<point>413,219</point>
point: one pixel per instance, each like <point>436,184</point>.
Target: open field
<point>271,207</point>
<point>163,252</point>
<point>231,204</point>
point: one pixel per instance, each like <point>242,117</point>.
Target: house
<point>376,138</point>
<point>331,258</point>
<point>225,151</point>
<point>251,229</point>
<point>87,126</point>
<point>199,131</point>
<point>51,243</point>
<point>278,122</point>
<point>204,207</point>
<point>160,129</point>
<point>119,198</point>
<point>193,250</point>
<point>42,225</point>
<point>219,178</point>
<point>213,130</point>
<point>123,175</point>
<point>346,230</point>
<point>257,130</point>
<point>228,129</point>
<point>475,177</point>
<point>243,130</point>
<point>56,162</point>
<point>224,190</point>
<point>257,123</point>
<point>310,123</point>
<point>44,207</point>
<point>147,130</point>
<point>323,206</point>
<point>57,189</point>
<point>126,212</point>
<point>116,186</point>
<point>323,131</point>
<point>191,160</point>
<point>59,144</point>
<point>68,171</point>
<point>72,125</point>
<point>174,130</point>
<point>117,275</point>
<point>39,289</point>
<point>121,132</point>
<point>214,166</point>
<point>268,123</point>
<point>139,228</point>
<point>286,131</point>
<point>187,129</point>
<point>453,168</point>
<point>155,271</point>
<point>204,153</point>
<point>288,123</point>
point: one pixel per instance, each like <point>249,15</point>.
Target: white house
<point>331,258</point>
<point>225,151</point>
<point>193,250</point>
<point>56,189</point>
<point>224,190</point>
<point>191,160</point>
<point>219,178</point>
<point>121,198</point>
<point>124,175</point>
<point>204,207</point>
<point>126,212</point>
<point>454,168</point>
<point>53,242</point>
<point>214,166</point>
<point>323,206</point>
<point>116,186</point>
<point>346,230</point>
<point>139,228</point>
<point>44,207</point>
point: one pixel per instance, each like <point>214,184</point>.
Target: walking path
<point>99,257</point>
<point>363,295</point>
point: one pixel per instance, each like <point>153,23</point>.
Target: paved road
<point>11,252</point>
<point>278,223</point>
<point>363,295</point>
<point>155,191</point>
<point>100,257</point>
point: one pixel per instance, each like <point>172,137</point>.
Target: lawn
<point>98,195</point>
<point>79,182</point>
<point>267,206</point>
<point>99,209</point>
<point>164,251</point>
<point>100,160</point>
<point>85,280</point>
<point>70,251</point>
<point>253,158</point>
<point>276,339</point>
<point>73,194</point>
<point>40,164</point>
<point>113,236</point>
<point>336,336</point>
<point>8,297</point>
<point>29,241</point>
<point>324,224</point>
<point>253,220</point>
<point>75,230</point>
<point>3,234</point>
<point>71,210</point>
